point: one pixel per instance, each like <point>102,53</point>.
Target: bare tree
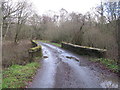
<point>112,10</point>
<point>118,38</point>
<point>21,16</point>
<point>8,10</point>
<point>14,13</point>
<point>36,24</point>
<point>100,11</point>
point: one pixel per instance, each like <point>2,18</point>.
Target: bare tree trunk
<point>6,31</point>
<point>118,38</point>
<point>17,32</point>
<point>77,36</point>
<point>16,36</point>
<point>17,29</point>
<point>1,26</point>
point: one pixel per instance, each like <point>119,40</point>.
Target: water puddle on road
<point>73,58</point>
<point>105,80</point>
<point>109,84</point>
<point>109,81</point>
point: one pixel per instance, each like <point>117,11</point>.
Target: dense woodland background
<point>98,28</point>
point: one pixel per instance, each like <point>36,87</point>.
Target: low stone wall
<point>83,50</point>
<point>36,51</point>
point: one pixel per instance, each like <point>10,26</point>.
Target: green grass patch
<point>111,64</point>
<point>56,44</point>
<point>0,79</point>
<point>18,76</point>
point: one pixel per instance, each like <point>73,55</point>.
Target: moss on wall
<point>36,51</point>
<point>84,50</point>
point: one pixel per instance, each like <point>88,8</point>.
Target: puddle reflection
<point>109,84</point>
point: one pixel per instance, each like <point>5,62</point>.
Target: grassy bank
<point>56,44</point>
<point>18,76</point>
<point>110,64</point>
<point>18,70</point>
<point>0,80</point>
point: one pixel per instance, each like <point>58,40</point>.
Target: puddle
<point>105,81</point>
<point>109,81</point>
<point>70,57</point>
<point>109,84</point>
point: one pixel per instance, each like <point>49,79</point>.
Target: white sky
<point>82,6</point>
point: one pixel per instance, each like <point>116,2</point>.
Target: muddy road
<point>64,69</point>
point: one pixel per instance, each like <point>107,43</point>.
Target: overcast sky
<point>42,6</point>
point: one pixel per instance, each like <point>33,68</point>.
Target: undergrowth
<point>111,64</point>
<point>18,76</point>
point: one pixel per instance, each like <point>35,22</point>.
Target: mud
<point>64,69</point>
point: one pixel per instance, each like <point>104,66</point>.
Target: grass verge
<point>110,64</point>
<point>18,76</point>
<point>0,80</point>
<point>56,44</point>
